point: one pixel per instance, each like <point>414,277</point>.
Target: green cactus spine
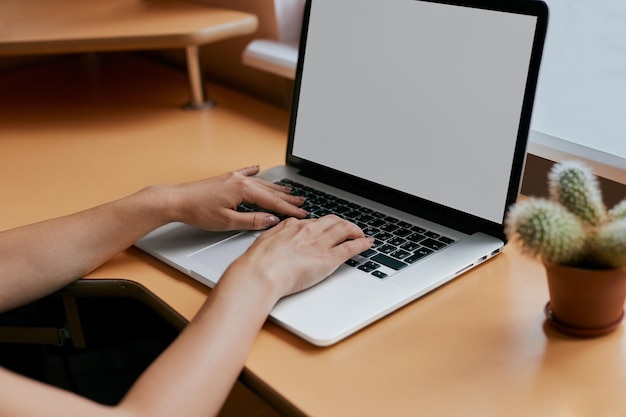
<point>619,211</point>
<point>548,230</point>
<point>608,244</point>
<point>574,186</point>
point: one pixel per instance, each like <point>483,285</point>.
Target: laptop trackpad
<point>213,260</point>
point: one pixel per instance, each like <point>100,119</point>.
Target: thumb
<point>256,220</point>
<point>250,171</point>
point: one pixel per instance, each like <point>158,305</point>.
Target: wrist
<point>246,276</point>
<point>161,203</point>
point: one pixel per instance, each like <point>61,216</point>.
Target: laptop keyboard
<point>397,243</point>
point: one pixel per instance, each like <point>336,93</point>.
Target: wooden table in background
<point>35,27</point>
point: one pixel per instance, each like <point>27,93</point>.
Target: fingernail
<point>271,220</point>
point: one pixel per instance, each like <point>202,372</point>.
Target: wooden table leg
<point>199,99</point>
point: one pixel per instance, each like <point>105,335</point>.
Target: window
<point>580,107</point>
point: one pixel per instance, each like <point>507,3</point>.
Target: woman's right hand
<point>297,254</point>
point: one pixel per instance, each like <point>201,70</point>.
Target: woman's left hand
<point>211,204</point>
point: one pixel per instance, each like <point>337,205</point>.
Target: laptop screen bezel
<point>412,204</point>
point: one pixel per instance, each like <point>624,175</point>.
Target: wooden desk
<point>476,347</point>
<point>34,27</point>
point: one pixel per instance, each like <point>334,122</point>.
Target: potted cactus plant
<point>582,246</point>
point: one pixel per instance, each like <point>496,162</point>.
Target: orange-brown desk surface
<point>476,347</point>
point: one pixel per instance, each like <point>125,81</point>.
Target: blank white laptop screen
<point>455,79</point>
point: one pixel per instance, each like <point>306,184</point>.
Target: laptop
<point>409,118</point>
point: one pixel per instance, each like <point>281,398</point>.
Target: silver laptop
<point>410,118</point>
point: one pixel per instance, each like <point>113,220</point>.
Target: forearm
<point>40,258</point>
<point>195,374</point>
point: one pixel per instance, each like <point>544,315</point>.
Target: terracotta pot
<point>585,302</point>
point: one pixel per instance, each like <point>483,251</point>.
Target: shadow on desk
<point>97,344</point>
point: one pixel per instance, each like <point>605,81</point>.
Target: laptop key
<point>377,222</point>
<point>329,204</point>
<point>423,250</point>
<point>410,246</point>
<point>389,227</point>
<point>364,218</point>
<point>352,262</point>
<point>387,249</point>
<point>388,261</point>
<point>377,243</point>
<point>362,226</point>
<point>446,240</point>
<point>415,237</point>
<point>432,244</point>
<point>369,266</point>
<point>341,209</point>
<point>418,254</point>
<point>396,241</point>
<point>379,274</point>
<point>418,229</point>
<point>400,254</point>
<point>402,232</point>
<point>383,235</point>
<point>415,257</point>
<point>370,231</point>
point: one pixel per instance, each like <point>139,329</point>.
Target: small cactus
<point>573,226</point>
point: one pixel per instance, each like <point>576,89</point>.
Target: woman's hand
<point>298,254</point>
<point>211,204</point>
